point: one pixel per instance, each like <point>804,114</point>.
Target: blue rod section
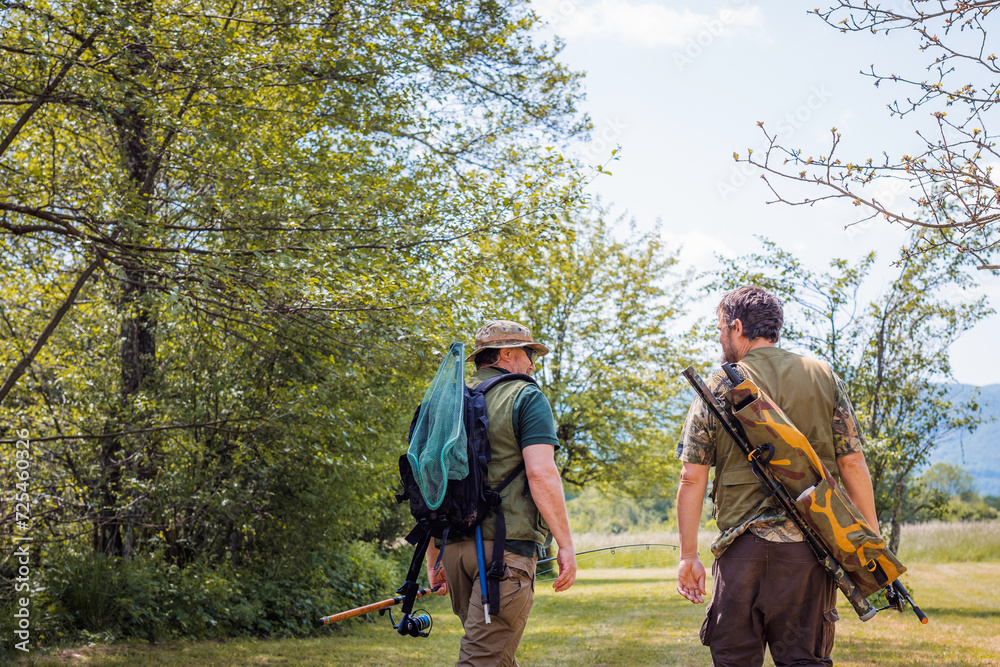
<point>482,572</point>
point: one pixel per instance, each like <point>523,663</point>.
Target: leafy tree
<point>923,503</point>
<point>955,483</point>
<point>608,310</point>
<point>227,222</point>
<point>954,199</point>
<point>596,511</point>
<point>950,479</point>
<point>891,352</point>
<point>974,509</point>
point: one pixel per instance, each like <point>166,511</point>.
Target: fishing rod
<point>613,549</point>
<point>420,622</point>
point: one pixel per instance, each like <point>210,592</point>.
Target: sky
<point>680,87</point>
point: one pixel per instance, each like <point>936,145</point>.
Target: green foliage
<point>88,595</point>
<point>594,511</point>
<point>949,479</point>
<point>924,503</point>
<point>957,488</point>
<point>85,590</point>
<point>975,509</point>
<point>233,235</point>
<point>607,309</point>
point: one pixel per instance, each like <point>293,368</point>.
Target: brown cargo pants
<point>774,594</point>
<point>496,643</point>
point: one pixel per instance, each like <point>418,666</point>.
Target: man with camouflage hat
<point>521,428</point>
<point>769,589</point>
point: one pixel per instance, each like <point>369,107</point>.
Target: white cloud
<point>649,23</point>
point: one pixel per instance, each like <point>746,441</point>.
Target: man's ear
<point>737,327</point>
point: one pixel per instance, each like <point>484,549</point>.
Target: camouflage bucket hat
<point>502,333</point>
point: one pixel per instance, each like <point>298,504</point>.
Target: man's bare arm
<point>690,500</point>
<point>857,482</point>
<point>547,492</point>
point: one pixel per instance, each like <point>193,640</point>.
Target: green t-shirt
<point>533,422</point>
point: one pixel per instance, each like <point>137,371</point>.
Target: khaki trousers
<point>496,643</point>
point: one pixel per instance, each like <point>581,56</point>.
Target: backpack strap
<point>489,383</point>
<point>484,387</point>
<point>444,543</point>
<point>496,571</point>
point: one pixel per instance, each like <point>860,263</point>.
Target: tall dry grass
<point>663,549</point>
<point>932,542</point>
<point>951,542</point>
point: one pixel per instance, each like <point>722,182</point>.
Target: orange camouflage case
<point>821,501</point>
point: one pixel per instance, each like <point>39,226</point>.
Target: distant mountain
<point>978,453</point>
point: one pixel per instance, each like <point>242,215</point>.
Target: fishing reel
<point>897,597</point>
<point>894,600</point>
<point>417,624</point>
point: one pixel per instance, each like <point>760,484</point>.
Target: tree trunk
<point>138,344</point>
<point>895,527</point>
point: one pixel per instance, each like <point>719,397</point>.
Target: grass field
<point>624,611</point>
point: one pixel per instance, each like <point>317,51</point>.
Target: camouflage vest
<point>520,514</point>
<point>804,389</point>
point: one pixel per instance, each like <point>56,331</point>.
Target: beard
<point>728,355</point>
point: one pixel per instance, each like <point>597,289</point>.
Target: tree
<point>268,192</point>
<point>608,310</point>
<point>949,479</point>
<point>891,352</point>
<point>958,487</point>
<point>954,199</point>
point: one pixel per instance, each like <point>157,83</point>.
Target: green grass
<point>624,611</point>
<point>619,617</point>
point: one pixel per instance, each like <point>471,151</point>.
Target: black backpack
<point>468,501</point>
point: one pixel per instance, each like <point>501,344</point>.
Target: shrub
<point>89,597</point>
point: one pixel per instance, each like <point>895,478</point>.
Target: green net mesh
<point>438,450</point>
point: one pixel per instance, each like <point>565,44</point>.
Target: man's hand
<point>691,579</point>
<point>435,577</point>
<point>566,560</point>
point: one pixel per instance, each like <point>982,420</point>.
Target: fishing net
<point>438,450</point>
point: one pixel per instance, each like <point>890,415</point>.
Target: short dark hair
<point>487,357</point>
<point>758,310</point>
